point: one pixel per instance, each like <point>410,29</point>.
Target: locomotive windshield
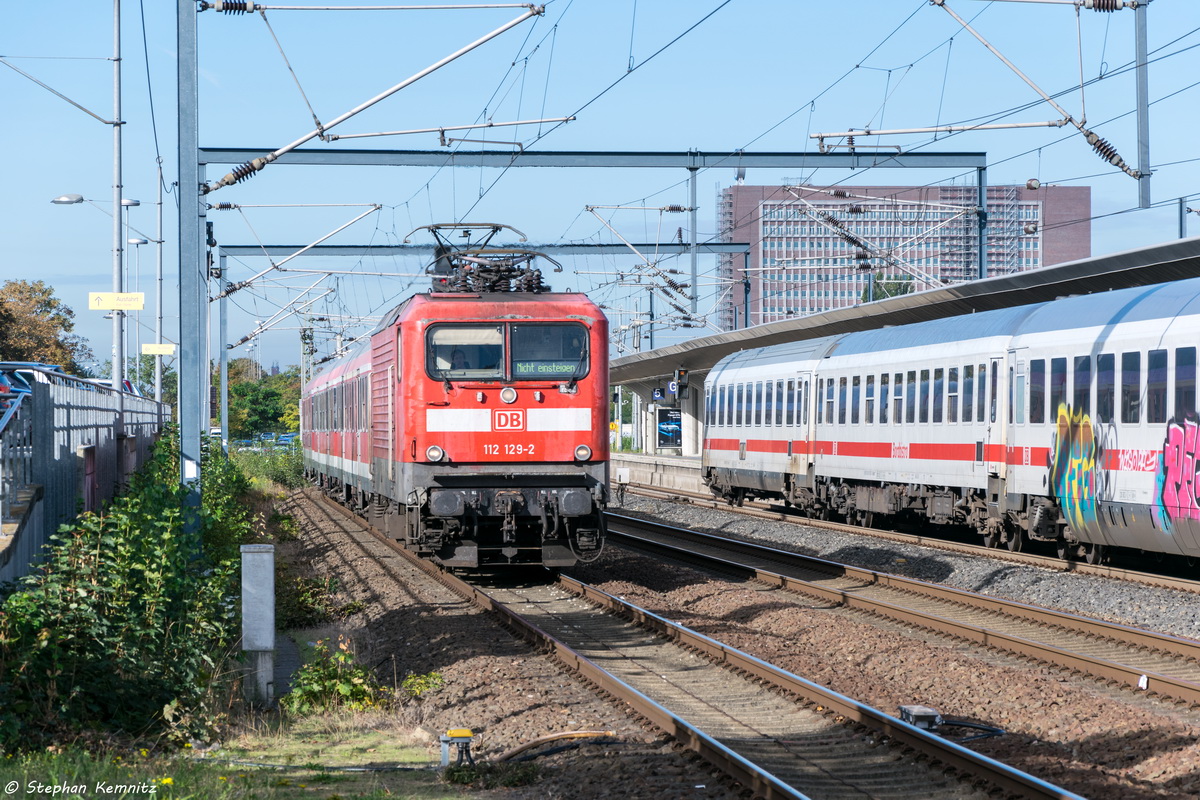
<point>535,351</point>
<point>555,350</point>
<point>465,352</point>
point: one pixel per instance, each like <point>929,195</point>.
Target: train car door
<point>998,399</point>
<point>800,446</point>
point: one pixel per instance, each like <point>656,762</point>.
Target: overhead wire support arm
<point>835,225</point>
<point>247,6</point>
<point>252,166</point>
<point>239,285</point>
<point>1101,146</point>
<point>281,313</point>
<point>442,129</point>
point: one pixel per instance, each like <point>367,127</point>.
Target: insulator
<point>231,6</point>
<point>224,206</point>
<point>241,173</point>
<point>862,255</point>
<point>674,209</point>
<point>854,210</point>
<point>1103,5</point>
<point>839,193</point>
<point>1101,146</point>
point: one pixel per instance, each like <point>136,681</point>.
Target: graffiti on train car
<point>1074,473</point>
<point>1176,480</point>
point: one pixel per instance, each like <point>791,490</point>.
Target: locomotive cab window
<point>465,352</point>
<point>556,350</point>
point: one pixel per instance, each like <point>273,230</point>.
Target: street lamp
<point>118,317</point>
<point>137,242</point>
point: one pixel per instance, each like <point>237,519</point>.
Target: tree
<point>36,326</point>
<point>260,403</point>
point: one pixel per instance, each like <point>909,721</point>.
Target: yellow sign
<point>158,349</point>
<point>612,426</point>
<point>116,301</point>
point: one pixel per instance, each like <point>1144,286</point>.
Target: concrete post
<point>258,621</point>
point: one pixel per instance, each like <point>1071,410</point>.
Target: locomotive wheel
<point>1016,542</point>
<point>1066,551</point>
<point>990,539</point>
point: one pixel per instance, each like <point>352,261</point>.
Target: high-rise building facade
<point>814,250</point>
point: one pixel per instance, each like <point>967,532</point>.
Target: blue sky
<point>639,75</point>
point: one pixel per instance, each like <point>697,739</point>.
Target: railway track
<point>769,512</point>
<point>1164,665</point>
<point>776,733</point>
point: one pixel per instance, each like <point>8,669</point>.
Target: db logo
<point>508,419</point>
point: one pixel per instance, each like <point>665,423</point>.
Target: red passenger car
<point>472,427</point>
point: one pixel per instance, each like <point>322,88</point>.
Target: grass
<point>331,757</point>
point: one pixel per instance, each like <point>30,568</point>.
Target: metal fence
<point>63,455</point>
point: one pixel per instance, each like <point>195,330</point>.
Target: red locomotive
<point>471,425</point>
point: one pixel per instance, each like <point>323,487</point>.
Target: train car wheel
<point>1016,542</point>
<point>1093,553</point>
<point>1065,550</point>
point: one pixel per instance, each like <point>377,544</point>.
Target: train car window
<point>926,391</point>
<point>1106,379</point>
<point>1016,396</point>
<point>758,403</point>
<point>1083,385</point>
<point>720,405</point>
<point>995,389</point>
<point>1131,387</point>
<point>740,405</point>
<point>898,399</point>
<point>791,402</point>
<point>855,399</point>
<point>554,350</point>
<point>1058,385</point>
<point>1156,386</point>
<point>842,401</point>
<point>829,401</point>
<point>779,402</point>
<point>884,397</point>
<point>769,404</point>
<point>1185,381</point>
<point>952,394</point>
<point>469,352</point>
<point>981,393</point>
<point>939,392</point>
<point>869,409</point>
<point>365,396</point>
<point>969,393</point>
<point>910,397</point>
<point>804,403</point>
<point>1037,391</point>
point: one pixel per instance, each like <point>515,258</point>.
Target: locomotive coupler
<point>507,503</point>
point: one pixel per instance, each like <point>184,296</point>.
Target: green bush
<point>125,625</point>
<point>284,466</point>
<point>331,680</point>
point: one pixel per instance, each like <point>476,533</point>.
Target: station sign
<point>151,349</point>
<point>116,301</point>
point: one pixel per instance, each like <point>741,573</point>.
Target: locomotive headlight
<point>435,453</point>
<point>508,394</point>
<point>583,453</point>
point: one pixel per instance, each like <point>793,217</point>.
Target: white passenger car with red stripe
<point>1072,421</point>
